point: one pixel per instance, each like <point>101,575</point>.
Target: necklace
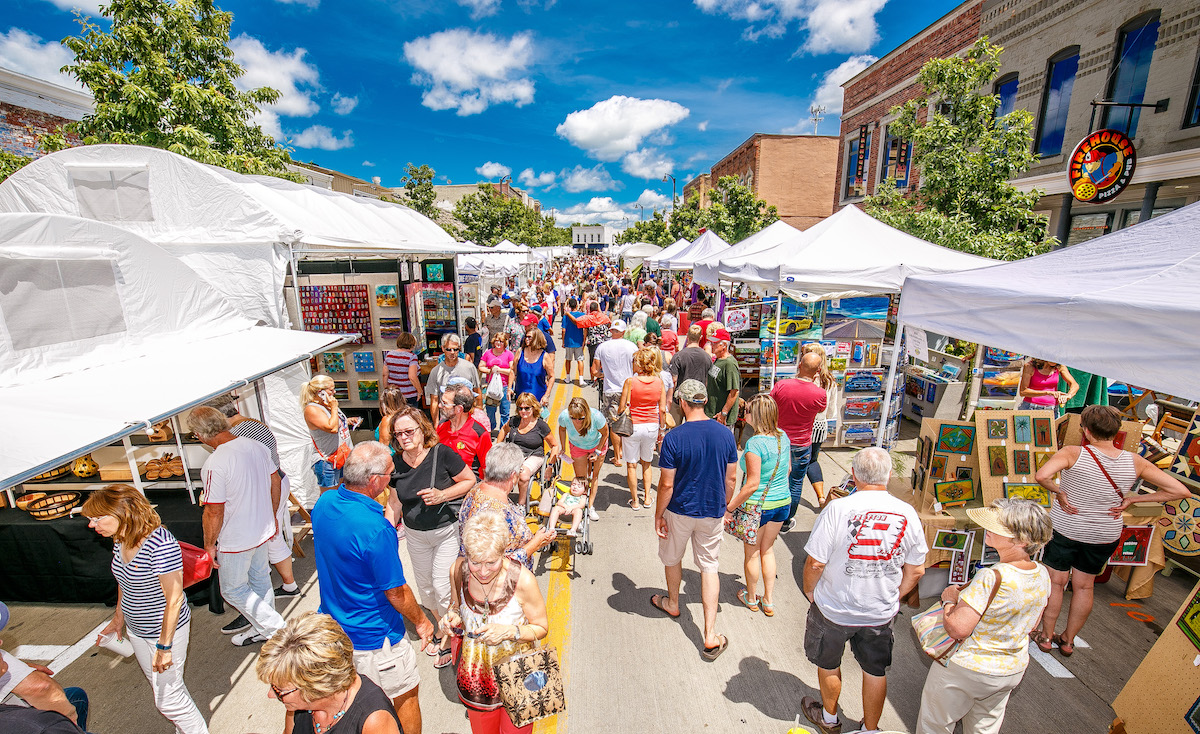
<point>336,716</point>
<point>487,594</point>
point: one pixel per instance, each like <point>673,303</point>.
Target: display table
<point>64,560</point>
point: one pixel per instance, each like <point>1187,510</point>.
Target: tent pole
<point>891,380</point>
<point>976,383</point>
<point>775,351</point>
<point>296,287</point>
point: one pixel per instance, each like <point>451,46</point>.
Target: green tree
<point>418,188</point>
<point>966,156</point>
<point>10,162</point>
<point>163,76</point>
<point>733,214</point>
<point>488,217</point>
<point>653,230</point>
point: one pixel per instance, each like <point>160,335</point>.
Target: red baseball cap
<point>721,335</point>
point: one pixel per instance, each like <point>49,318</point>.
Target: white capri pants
<point>640,445</point>
<point>170,693</point>
<point>433,553</point>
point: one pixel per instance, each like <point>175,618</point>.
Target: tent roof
<point>706,271</point>
<point>1123,306</point>
<point>169,199</point>
<point>706,245</point>
<point>101,331</point>
<point>640,249</point>
<point>658,259</point>
<point>853,254</point>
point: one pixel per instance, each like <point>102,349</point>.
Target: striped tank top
<point>1092,494</point>
<point>142,599</point>
<point>398,361</point>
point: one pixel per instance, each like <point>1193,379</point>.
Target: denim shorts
<point>779,514</point>
<point>327,476</point>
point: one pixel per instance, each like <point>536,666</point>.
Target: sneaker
<point>250,637</point>
<point>815,713</point>
<point>788,526</point>
<point>593,515</point>
<point>280,591</point>
<point>241,624</point>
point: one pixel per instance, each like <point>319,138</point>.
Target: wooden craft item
<point>54,473</point>
<point>23,500</point>
<point>118,471</point>
<point>54,505</point>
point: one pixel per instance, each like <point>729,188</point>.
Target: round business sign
<point>1101,166</point>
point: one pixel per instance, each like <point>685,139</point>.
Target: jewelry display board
<point>337,309</point>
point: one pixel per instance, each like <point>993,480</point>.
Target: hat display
<point>988,519</point>
<point>692,391</point>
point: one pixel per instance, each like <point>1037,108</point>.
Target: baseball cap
<point>721,335</point>
<point>986,518</point>
<point>619,325</point>
<point>537,308</point>
<point>692,391</point>
<point>529,319</point>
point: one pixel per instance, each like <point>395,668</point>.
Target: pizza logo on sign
<point>1101,166</point>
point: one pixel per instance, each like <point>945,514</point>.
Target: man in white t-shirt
<point>865,552</point>
<point>241,492</point>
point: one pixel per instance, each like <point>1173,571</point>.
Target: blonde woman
<point>584,429</point>
<point>309,665</point>
<point>152,611</point>
<point>645,397</point>
<point>328,428</point>
<point>765,468</point>
<point>824,380</point>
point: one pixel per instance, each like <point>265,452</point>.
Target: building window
<point>1056,102</point>
<point>1135,48</point>
<point>1133,216</point>
<point>1006,90</point>
<point>897,159</point>
<point>1086,227</point>
<point>1192,117</point>
<point>857,185</point>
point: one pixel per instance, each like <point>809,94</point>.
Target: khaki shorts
<point>705,534</point>
<point>393,668</point>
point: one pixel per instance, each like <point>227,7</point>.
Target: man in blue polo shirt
<point>573,338</point>
<point>362,581</point>
<point>698,473</point>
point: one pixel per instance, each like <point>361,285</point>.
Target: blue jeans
<point>79,699</point>
<point>1026,405</point>
<point>327,476</point>
<point>800,456</point>
<point>246,584</point>
<point>505,409</point>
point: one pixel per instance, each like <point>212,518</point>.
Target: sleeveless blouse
<point>369,699</point>
<point>530,376</point>
<point>1092,494</point>
<point>327,443</point>
<point>514,516</point>
<point>477,687</point>
<point>1039,381</point>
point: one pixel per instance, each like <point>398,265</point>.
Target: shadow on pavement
<point>774,693</point>
<point>630,598</point>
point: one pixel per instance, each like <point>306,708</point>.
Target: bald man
<point>800,401</point>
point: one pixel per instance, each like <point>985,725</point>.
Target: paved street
<point>628,667</point>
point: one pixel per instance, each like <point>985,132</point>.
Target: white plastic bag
<point>495,390</point>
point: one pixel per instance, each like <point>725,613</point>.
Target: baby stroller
<point>581,543</point>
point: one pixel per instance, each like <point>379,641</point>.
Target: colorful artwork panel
<point>1021,462</point>
<point>937,467</point>
<point>1022,429</point>
<point>1040,458</point>
<point>954,492</point>
<point>964,472</point>
<point>390,328</point>
<point>956,439</point>
<point>1189,621</point>
<point>997,428</point>
<point>1133,548</point>
<point>333,362</point>
<point>1032,492</point>
<point>364,361</point>
<point>951,540</point>
<point>1041,432</point>
<point>385,296</point>
<point>1180,526</point>
<point>997,461</point>
<point>341,389</point>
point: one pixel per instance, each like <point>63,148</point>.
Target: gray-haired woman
<point>500,475</point>
<point>974,685</point>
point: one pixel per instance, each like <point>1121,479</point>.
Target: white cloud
<point>531,180</point>
<point>467,71</point>
<point>654,200</point>
<point>830,91</point>
<point>599,210</point>
<point>321,137</point>
<point>493,170</point>
<point>647,164</point>
<point>702,127</point>
<point>368,164</point>
<point>846,26</point>
<point>297,80</point>
<point>480,8</point>
<point>25,53</point>
<point>595,178</point>
<point>618,125</point>
<point>89,7</point>
<point>343,105</point>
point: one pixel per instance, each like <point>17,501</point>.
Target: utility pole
<point>816,111</point>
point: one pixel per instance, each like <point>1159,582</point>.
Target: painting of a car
<point>859,433</point>
<point>863,382</point>
<point>787,327</point>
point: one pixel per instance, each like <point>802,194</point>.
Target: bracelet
<point>160,646</point>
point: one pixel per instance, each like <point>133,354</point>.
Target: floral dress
<point>515,517</point>
<point>477,687</point>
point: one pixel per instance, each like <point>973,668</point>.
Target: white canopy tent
<point>635,253</point>
<point>1123,306</point>
<point>706,245</point>
<point>707,270</point>
<point>102,333</point>
<point>657,261</point>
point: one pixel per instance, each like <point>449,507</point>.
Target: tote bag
<point>531,685</point>
<point>930,626</point>
<point>743,524</point>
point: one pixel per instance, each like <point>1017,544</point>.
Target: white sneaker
<point>593,515</point>
<point>249,637</point>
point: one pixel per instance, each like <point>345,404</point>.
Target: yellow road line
<point>558,597</point>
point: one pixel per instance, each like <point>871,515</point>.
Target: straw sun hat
<point>988,519</point>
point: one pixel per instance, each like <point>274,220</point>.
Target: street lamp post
<point>642,207</point>
<point>672,190</point>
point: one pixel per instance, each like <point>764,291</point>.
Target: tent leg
<point>296,288</point>
<point>775,351</point>
<point>891,380</point>
<point>976,384</point>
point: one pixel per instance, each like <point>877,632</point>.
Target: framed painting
<point>954,492</point>
<point>1040,458</point>
<point>916,482</point>
<point>1032,492</point>
<point>997,428</point>
<point>997,461</point>
<point>333,362</point>
<point>955,439</point>
<point>1133,548</point>
<point>1186,463</point>
<point>1023,429</point>
<point>1021,462</point>
<point>1189,621</point>
<point>1193,716</point>
<point>951,540</point>
<point>937,466</point>
<point>1041,432</point>
<point>964,472</point>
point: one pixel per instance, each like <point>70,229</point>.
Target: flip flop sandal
<point>767,608</point>
<point>1062,642</point>
<point>712,653</point>
<point>656,601</point>
<point>744,598</point>
<point>444,658</point>
<point>1043,642</point>
<point>433,647</point>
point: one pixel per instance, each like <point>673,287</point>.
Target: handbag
<point>930,626</point>
<point>197,564</point>
<point>743,524</point>
<point>338,458</point>
<point>622,424</point>
<point>531,685</point>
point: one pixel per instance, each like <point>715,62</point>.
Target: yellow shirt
<point>1000,643</point>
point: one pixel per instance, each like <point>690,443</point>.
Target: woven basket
<point>54,505</point>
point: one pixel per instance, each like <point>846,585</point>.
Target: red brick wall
<point>955,35</point>
<point>20,127</point>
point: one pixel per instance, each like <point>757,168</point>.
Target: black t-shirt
<point>692,363</point>
<point>473,347</point>
<point>370,698</point>
<point>25,720</point>
<point>408,480</point>
<point>531,443</point>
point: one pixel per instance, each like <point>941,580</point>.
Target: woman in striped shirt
<point>402,369</point>
<point>152,611</point>
<point>1091,497</point>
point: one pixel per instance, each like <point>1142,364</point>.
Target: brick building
<point>31,107</point>
<point>793,173</point>
<point>872,93</point>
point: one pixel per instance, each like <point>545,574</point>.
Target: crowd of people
<point>451,476</point>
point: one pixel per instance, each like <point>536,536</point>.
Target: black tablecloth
<point>66,561</point>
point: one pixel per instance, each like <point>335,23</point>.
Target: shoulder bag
<point>197,564</point>
<point>743,523</point>
<point>621,423</point>
<point>930,626</point>
<point>1104,471</point>
<point>531,685</point>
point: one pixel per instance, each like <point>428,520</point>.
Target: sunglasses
<point>280,694</point>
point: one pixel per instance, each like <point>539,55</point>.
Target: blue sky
<point>585,104</point>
